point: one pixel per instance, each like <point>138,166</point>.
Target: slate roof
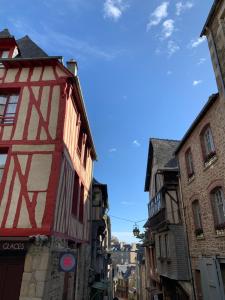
<point>5,33</point>
<point>163,152</point>
<point>27,48</point>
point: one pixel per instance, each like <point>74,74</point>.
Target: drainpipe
<point>217,59</point>
<point>185,227</point>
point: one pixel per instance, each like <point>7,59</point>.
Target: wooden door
<point>11,272</point>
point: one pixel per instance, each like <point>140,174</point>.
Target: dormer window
<point>4,53</point>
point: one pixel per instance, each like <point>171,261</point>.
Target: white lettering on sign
<point>13,246</point>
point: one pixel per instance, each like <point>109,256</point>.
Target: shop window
<point>8,105</point>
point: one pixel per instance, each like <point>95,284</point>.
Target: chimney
<point>72,66</point>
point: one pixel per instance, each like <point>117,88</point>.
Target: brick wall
<point>205,179</point>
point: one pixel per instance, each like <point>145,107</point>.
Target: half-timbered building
<point>46,161</point>
<point>166,254</point>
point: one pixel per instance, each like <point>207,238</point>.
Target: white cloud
<point>172,48</point>
<point>201,61</point>
<point>196,82</point>
<point>112,150</point>
<point>125,236</point>
<point>182,7</point>
<point>114,9</point>
<point>136,143</point>
<point>168,28</point>
<point>158,15</point>
<point>195,43</point>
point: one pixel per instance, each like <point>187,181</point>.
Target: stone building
<point>46,162</point>
<point>202,177</point>
<point>101,271</point>
<point>165,243</point>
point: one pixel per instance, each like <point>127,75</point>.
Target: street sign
<point>67,262</point>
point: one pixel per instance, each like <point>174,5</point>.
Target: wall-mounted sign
<point>67,262</point>
<point>12,246</point>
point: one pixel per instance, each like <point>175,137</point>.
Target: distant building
<point>46,162</point>
<point>101,272</point>
<point>166,249</point>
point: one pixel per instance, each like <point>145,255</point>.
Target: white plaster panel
<point>39,172</point>
<point>36,74</point>
<point>32,148</point>
<point>43,135</point>
<point>44,101</point>
<point>24,75</point>
<point>23,162</point>
<point>40,208</point>
<point>35,90</point>
<point>48,73</point>
<point>18,135</point>
<point>54,111</point>
<point>33,124</point>
<point>7,131</point>
<point>6,191</point>
<point>14,202</point>
<point>60,72</point>
<point>11,75</point>
<point>24,221</point>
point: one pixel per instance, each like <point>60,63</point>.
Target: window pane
<point>11,109</point>
<point>5,54</point>
<point>2,159</point>
<point>13,99</point>
<point>3,99</point>
<point>219,201</point>
<point>1,173</point>
<point>2,109</point>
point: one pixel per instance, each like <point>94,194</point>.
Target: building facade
<point>46,162</point>
<point>101,271</point>
<point>165,246</point>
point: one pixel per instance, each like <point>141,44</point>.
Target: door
<point>11,272</point>
<point>211,280</point>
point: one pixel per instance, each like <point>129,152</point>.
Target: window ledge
<point>210,162</point>
<point>7,124</point>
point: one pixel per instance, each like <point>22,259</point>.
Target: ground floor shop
<point>36,268</point>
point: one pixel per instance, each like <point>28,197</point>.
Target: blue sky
<point>144,73</point>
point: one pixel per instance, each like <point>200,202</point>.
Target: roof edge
<point>204,110</point>
<point>210,15</point>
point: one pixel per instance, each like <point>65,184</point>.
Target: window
<point>85,155</point>
<point>160,247</point>
<point>3,157</point>
<point>166,246</point>
<point>197,217</point>
<point>4,53</point>
<point>81,206</point>
<point>76,188</point>
<point>208,147</point>
<point>189,163</point>
<point>218,204</point>
<point>8,104</point>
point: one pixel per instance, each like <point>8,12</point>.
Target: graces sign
<point>12,246</point>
